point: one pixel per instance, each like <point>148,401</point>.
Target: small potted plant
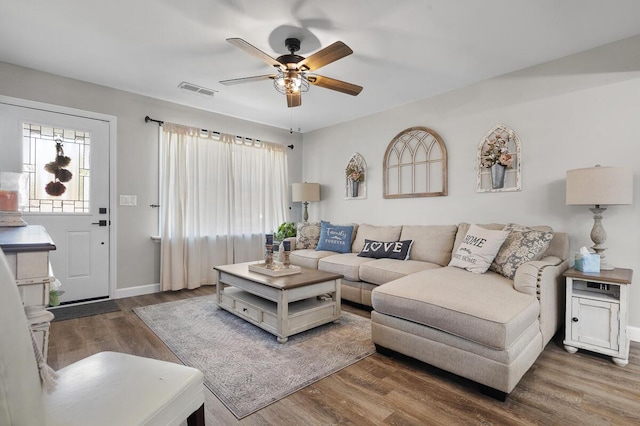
<point>286,230</point>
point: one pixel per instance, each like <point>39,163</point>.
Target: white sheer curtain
<point>219,196</point>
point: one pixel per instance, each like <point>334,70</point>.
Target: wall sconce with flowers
<point>499,161</point>
<point>355,175</point>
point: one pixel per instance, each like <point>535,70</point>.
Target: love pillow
<point>386,250</point>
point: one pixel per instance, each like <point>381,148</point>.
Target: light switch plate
<point>128,200</point>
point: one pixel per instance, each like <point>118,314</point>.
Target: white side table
<point>596,312</point>
<point>27,251</point>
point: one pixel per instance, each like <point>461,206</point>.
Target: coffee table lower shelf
<point>303,315</point>
<point>283,306</point>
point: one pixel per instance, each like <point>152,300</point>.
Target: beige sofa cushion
<point>308,258</point>
<point>382,271</point>
<point>431,243</point>
<point>377,233</point>
<point>558,247</point>
<point>346,264</point>
<point>483,308</point>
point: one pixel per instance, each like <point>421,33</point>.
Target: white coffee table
<point>283,306</point>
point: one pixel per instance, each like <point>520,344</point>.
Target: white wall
<point>137,154</point>
<point>571,113</point>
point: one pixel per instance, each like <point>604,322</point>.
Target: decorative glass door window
<point>49,173</point>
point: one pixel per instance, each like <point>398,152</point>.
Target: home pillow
<point>521,246</point>
<point>308,235</point>
<point>478,249</point>
<point>386,250</point>
<point>335,237</point>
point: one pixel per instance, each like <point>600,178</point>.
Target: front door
<point>66,159</point>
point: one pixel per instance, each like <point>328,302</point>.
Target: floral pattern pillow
<point>308,235</point>
<point>521,246</point>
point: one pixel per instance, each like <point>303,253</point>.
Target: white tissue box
<point>587,262</point>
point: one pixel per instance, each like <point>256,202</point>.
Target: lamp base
<point>306,212</point>
<point>606,266</point>
<point>599,236</point>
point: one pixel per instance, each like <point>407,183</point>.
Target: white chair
<point>104,389</point>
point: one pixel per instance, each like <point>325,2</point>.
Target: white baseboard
<point>137,291</point>
<point>633,333</point>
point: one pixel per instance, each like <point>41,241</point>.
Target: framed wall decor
<point>415,165</point>
<point>356,178</point>
<point>499,161</point>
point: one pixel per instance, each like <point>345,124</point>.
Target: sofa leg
<point>383,351</point>
<point>493,393</point>
<point>197,417</point>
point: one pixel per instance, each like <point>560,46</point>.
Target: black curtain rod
<point>148,119</point>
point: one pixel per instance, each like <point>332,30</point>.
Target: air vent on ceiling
<point>194,88</point>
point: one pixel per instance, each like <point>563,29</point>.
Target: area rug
<point>243,365</point>
<point>86,310</point>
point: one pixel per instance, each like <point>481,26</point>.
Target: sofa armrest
<point>543,278</point>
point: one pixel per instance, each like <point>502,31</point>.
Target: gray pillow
<point>308,235</point>
<point>523,245</point>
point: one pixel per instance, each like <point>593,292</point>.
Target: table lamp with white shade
<point>305,193</point>
<point>600,186</point>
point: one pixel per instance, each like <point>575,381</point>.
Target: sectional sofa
<point>488,327</point>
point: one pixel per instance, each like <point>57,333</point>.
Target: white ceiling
<point>404,50</point>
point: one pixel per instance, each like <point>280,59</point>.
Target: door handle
<point>100,223</point>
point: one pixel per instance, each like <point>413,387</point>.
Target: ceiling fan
<point>292,77</point>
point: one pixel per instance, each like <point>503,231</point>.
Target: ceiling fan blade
<point>254,51</point>
<point>337,50</point>
<point>247,79</point>
<point>294,99</point>
<point>333,84</point>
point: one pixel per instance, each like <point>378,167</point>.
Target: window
<point>42,146</point>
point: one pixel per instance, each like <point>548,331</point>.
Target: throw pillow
<point>521,246</point>
<point>478,249</point>
<point>386,250</point>
<point>335,237</point>
<point>308,235</point>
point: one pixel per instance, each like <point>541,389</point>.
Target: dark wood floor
<point>562,389</point>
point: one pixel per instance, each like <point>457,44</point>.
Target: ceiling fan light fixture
<point>291,82</point>
<point>291,70</point>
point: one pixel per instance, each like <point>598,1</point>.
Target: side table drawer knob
<point>574,319</point>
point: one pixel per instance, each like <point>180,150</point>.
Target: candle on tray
<point>269,239</point>
<point>286,245</point>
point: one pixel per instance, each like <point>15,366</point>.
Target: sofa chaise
<point>488,327</point>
